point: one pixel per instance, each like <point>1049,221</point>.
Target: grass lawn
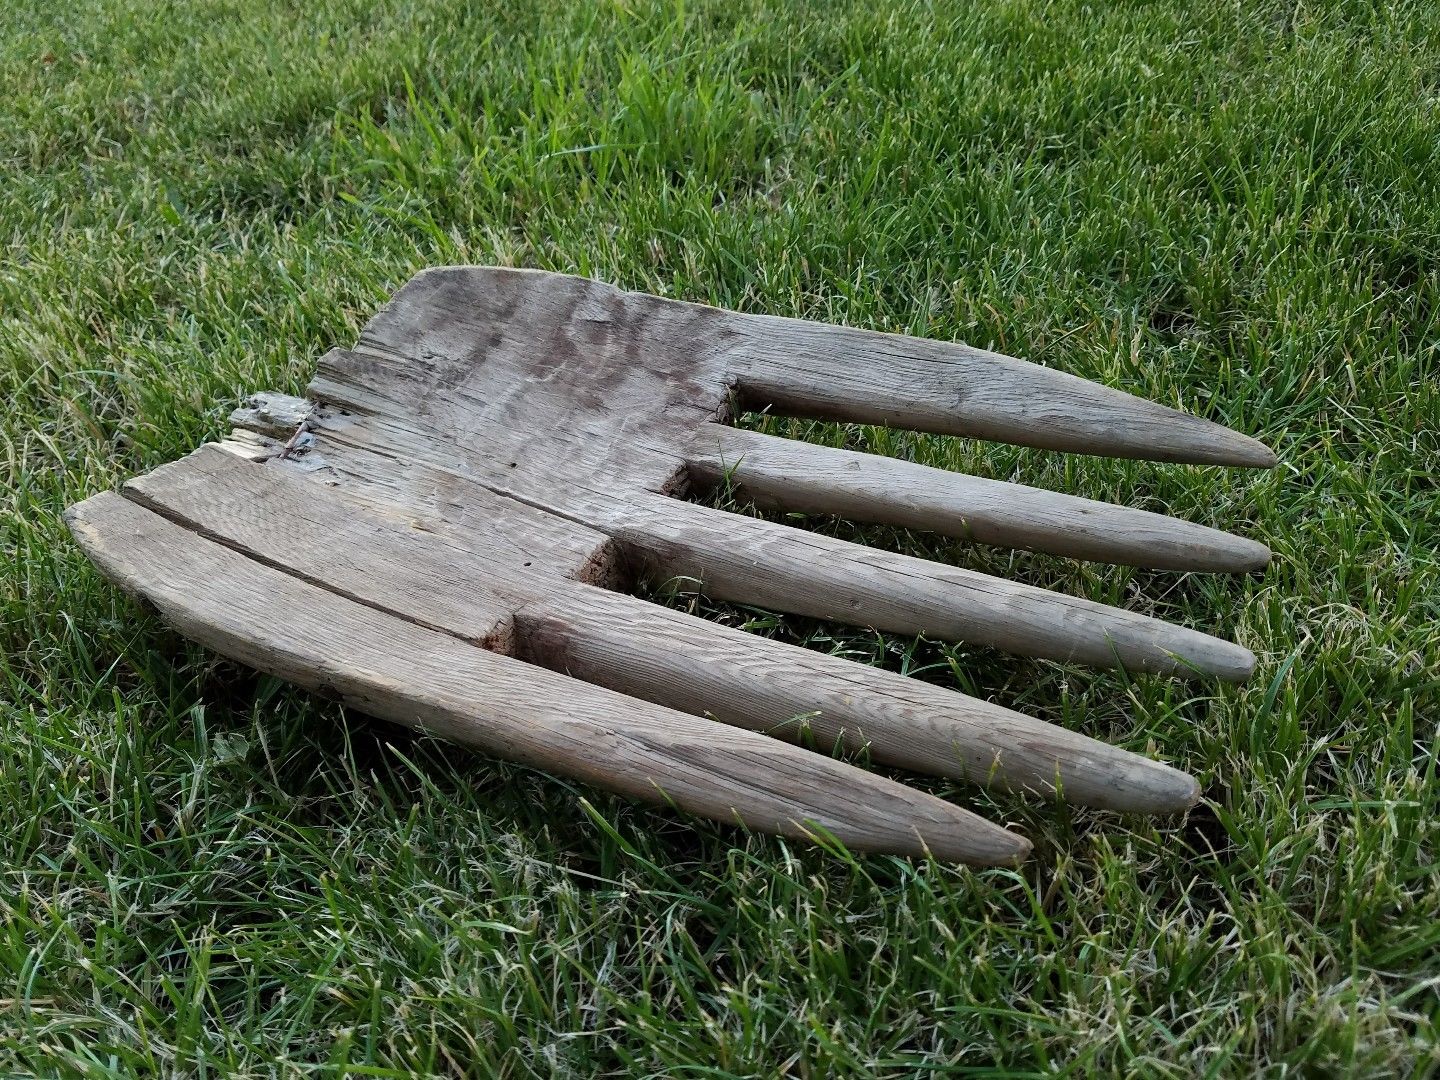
<point>1232,208</point>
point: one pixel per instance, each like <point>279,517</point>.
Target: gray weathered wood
<point>396,670</point>
<point>756,562</point>
<point>486,590</point>
<point>698,667</point>
<point>788,475</point>
<point>453,513</point>
<point>751,561</point>
<point>809,369</point>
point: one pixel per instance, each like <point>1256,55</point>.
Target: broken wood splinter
<point>456,513</point>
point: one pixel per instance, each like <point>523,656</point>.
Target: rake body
<point>442,534</point>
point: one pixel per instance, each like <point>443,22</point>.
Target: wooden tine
<point>750,561</point>
<point>470,585</point>
<point>838,373</point>
<point>788,475</point>
<point>701,667</point>
<point>392,668</point>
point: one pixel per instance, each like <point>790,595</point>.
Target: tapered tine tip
<point>1228,661</point>
<point>1157,788</point>
<point>1248,555</point>
<point>1249,453</point>
<point>1023,849</point>
<point>1149,430</point>
<point>1002,848</point>
<point>1188,793</point>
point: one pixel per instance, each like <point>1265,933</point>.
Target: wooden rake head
<point>443,534</point>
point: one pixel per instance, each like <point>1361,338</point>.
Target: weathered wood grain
<point>439,513</point>
<point>734,558</point>
<point>323,532</point>
<point>698,667</point>
<point>836,373</point>
<point>789,570</point>
<point>774,566</point>
<point>578,399</point>
<point>788,475</point>
<point>487,590</point>
<point>398,671</point>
